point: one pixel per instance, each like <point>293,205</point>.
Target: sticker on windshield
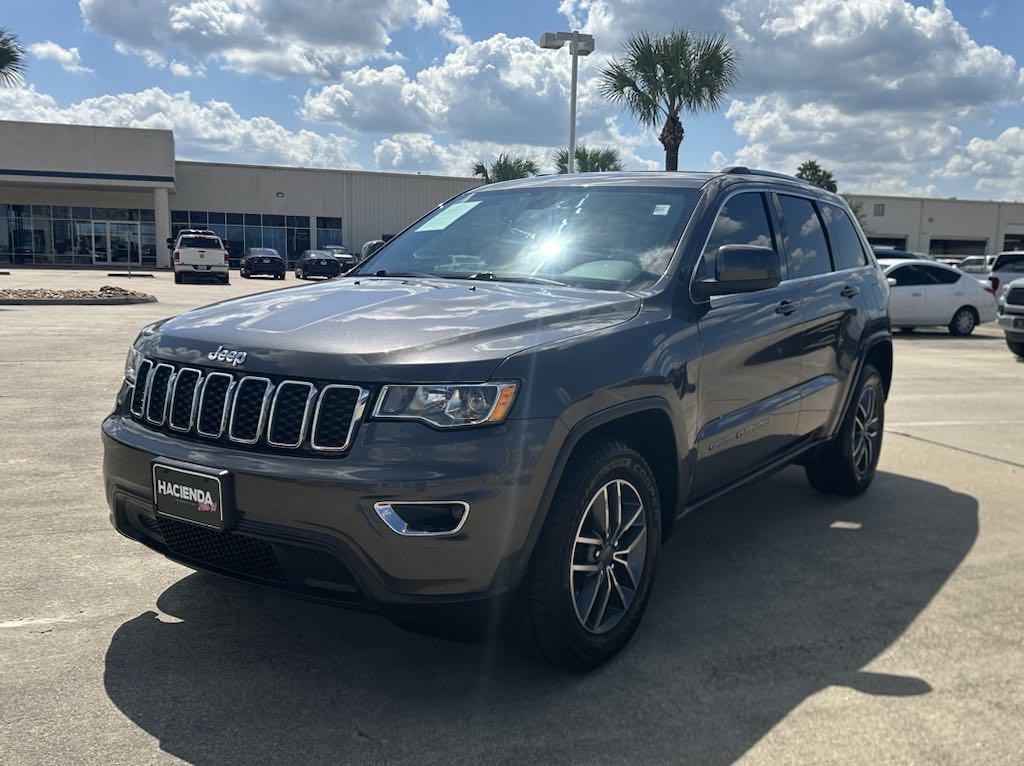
<point>448,216</point>
<point>661,209</point>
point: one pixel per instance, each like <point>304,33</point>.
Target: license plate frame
<point>208,493</point>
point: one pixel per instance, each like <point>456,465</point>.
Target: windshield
<point>263,251</point>
<point>614,237</point>
<point>208,243</point>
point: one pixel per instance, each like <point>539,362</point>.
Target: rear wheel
<point>589,578</point>
<point>964,321</point>
<point>846,466</point>
<point>1016,346</point>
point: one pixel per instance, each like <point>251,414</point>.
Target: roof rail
<point>742,170</point>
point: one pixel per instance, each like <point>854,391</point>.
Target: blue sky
<point>894,96</point>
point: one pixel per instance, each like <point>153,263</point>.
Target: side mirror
<point>741,269</point>
<point>369,248</point>
<point>170,242</point>
<point>891,281</point>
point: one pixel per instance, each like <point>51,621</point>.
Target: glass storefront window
<point>235,219</point>
<point>198,219</point>
<point>326,237</point>
<point>253,219</point>
<point>253,237</point>
<point>298,241</point>
<point>147,243</point>
<point>63,240</point>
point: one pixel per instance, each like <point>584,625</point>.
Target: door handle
<point>786,308</point>
<point>915,295</point>
<point>849,291</point>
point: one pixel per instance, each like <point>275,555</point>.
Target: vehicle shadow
<point>762,599</point>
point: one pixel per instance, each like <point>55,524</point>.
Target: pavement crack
<point>964,450</point>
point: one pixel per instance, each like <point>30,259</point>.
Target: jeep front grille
<point>253,411</point>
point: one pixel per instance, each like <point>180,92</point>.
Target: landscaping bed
<point>108,295</point>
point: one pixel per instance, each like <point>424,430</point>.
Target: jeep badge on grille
<point>227,355</point>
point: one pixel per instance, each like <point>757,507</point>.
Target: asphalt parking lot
<point>784,627</point>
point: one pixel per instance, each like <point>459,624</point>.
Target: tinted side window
<point>910,276</point>
<point>805,239</point>
<point>847,251</point>
<point>743,220</point>
<point>942,276</point>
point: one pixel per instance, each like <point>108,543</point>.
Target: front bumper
<point>1013,329</point>
<point>315,518</point>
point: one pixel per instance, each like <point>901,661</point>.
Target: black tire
<point>178,277</point>
<point>244,274</point>
<point>840,467</point>
<point>543,621</point>
<point>963,322</point>
<point>1016,346</point>
<point>907,330</point>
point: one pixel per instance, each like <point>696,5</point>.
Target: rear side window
<point>911,276</point>
<point>743,220</point>
<point>205,243</point>
<point>847,250</point>
<point>942,276</point>
<point>805,239</point>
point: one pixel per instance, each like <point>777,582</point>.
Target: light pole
<point>579,45</point>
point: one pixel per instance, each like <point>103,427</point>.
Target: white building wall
<point>369,204</point>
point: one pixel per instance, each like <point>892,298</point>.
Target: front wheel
<point>1016,346</point>
<point>244,274</point>
<point>590,574</point>
<point>963,322</point>
<point>847,465</point>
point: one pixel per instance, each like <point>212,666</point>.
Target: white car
<point>199,253</point>
<point>928,294</point>
<point>1007,267</point>
<point>977,264</point>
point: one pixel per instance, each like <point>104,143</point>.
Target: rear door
<point>833,283</point>
<point>751,357</point>
<point>906,296</point>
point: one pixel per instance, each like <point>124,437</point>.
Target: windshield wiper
<point>490,276</point>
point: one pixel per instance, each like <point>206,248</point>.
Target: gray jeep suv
<point>499,417</point>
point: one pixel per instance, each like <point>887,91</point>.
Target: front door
<point>124,242</point>
<point>751,352</point>
<point>906,297</point>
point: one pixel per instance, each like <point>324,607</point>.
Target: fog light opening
<point>423,518</point>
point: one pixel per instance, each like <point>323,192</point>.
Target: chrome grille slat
<point>189,376</point>
<point>322,441</point>
<point>207,407</point>
<point>159,384</point>
<point>261,413</point>
<point>275,425</point>
<point>240,397</point>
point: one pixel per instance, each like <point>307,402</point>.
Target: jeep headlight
<point>132,363</point>
<point>449,405</point>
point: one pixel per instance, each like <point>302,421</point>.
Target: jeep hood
<point>371,329</point>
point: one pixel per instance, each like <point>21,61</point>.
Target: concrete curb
<point>130,276</point>
<point>75,301</point>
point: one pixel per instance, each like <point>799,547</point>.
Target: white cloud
<point>182,69</point>
<point>212,130</point>
<point>311,38</point>
<point>68,58</point>
<point>502,89</point>
<point>877,90</point>
<point>994,164</point>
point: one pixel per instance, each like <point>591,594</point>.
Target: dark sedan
<point>262,260</point>
<point>317,263</point>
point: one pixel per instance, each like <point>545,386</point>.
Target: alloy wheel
<point>866,430</point>
<point>608,556</point>
<point>964,322</point>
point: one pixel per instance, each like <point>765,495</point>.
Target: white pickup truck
<point>1011,316</point>
<point>199,253</point>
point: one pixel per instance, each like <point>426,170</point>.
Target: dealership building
<point>84,196</point>
<point>77,195</point>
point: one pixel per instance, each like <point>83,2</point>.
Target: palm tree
<point>588,160</point>
<point>506,168</point>
<point>12,58</point>
<point>659,77</point>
